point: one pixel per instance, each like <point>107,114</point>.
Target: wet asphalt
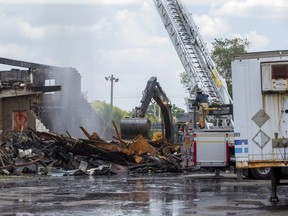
<point>161,194</point>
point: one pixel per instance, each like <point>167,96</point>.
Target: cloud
<point>29,31</point>
<point>7,50</point>
<point>258,42</point>
<point>134,66</point>
<point>211,26</point>
<point>204,2</point>
<point>124,38</point>
<point>134,30</point>
<point>83,2</point>
<point>261,8</point>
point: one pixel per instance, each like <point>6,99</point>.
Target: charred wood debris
<point>47,153</point>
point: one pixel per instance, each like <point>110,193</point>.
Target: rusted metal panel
<point>140,146</point>
<point>261,164</point>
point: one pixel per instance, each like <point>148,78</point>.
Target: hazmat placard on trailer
<point>241,149</point>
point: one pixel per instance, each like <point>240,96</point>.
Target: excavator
<point>138,124</point>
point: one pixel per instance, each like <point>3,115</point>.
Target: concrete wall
<point>10,105</point>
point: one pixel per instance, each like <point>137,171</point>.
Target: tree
<point>223,52</point>
<point>153,112</point>
<point>176,111</point>
<point>184,80</point>
<point>103,111</point>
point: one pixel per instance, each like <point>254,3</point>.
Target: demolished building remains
<point>42,110</point>
<point>50,94</point>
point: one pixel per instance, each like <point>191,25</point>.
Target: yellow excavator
<point>138,124</point>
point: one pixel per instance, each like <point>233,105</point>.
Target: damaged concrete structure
<point>51,97</point>
<point>49,94</point>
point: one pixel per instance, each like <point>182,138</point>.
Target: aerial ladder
<point>213,145</point>
<point>192,51</point>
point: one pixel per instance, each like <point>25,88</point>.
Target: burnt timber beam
<point>24,64</point>
<point>45,88</point>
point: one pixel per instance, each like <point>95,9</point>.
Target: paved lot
<point>192,194</point>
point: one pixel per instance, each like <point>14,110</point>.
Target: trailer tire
<point>260,173</point>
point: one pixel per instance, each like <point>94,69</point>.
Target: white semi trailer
<point>260,95</point>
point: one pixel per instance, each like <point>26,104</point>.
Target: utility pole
<point>111,79</point>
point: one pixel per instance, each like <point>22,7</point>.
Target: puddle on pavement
<point>164,195</point>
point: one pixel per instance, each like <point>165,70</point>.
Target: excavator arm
<point>138,124</point>
<point>148,94</point>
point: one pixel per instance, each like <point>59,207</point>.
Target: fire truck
<point>214,145</point>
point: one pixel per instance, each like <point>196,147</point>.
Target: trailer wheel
<point>261,173</point>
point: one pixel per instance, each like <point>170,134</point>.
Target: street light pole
<point>112,79</point>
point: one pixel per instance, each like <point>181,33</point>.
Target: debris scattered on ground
<point>48,153</point>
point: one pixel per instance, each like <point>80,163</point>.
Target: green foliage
<point>222,54</point>
<point>176,111</point>
<point>184,80</point>
<point>153,111</point>
<point>104,111</point>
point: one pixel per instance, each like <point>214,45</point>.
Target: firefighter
<point>202,103</point>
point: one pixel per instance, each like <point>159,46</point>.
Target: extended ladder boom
<point>192,51</point>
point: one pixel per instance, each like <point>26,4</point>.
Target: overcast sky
<point>127,38</point>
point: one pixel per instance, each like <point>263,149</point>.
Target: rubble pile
<point>45,153</point>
